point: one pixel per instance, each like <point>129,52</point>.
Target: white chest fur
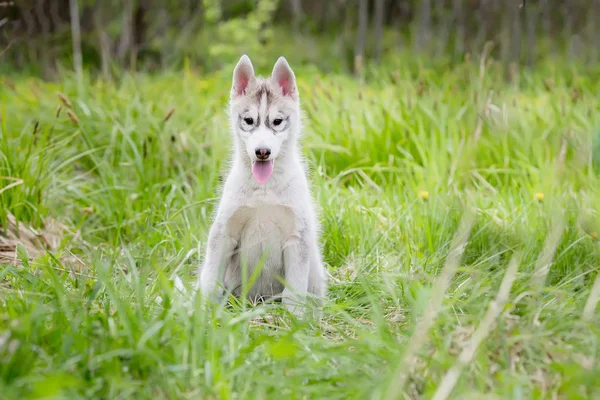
<point>261,233</point>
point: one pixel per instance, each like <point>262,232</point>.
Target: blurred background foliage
<point>39,36</point>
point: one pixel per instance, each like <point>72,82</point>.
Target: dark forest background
<point>107,36</point>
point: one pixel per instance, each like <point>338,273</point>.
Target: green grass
<point>135,192</point>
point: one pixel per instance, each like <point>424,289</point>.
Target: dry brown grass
<point>35,242</point>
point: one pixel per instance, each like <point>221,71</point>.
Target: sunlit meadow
<point>459,229</point>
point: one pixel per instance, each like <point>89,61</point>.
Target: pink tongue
<point>262,170</point>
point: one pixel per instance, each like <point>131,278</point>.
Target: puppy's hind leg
<point>296,269</point>
<point>317,284</point>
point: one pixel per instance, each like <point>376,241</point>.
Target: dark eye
<point>277,121</point>
<point>249,121</point>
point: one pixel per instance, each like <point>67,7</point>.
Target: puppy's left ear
<point>284,77</point>
<point>243,75</point>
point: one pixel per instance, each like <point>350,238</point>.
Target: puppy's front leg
<point>218,252</point>
<point>296,267</point>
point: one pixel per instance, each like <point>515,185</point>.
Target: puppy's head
<point>264,114</point>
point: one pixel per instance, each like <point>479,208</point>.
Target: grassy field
<point>459,231</point>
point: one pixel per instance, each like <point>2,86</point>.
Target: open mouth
<point>262,170</point>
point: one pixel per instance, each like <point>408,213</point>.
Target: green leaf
<point>23,254</point>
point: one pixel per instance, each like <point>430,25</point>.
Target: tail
<point>179,286</point>
<point>181,294</point>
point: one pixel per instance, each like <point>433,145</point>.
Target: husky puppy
<point>266,215</point>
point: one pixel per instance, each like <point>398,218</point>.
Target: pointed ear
<point>284,77</point>
<point>243,74</point>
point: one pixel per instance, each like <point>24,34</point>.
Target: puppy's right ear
<point>243,74</point>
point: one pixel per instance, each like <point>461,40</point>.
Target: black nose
<point>262,154</point>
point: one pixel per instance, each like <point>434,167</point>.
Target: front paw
<point>209,289</point>
<point>294,302</point>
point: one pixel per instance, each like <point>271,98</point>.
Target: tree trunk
<point>511,38</point>
<point>378,27</point>
<point>531,16</point>
<point>361,36</point>
<point>139,30</point>
<point>405,11</point>
<point>30,33</point>
<point>477,44</point>
<point>126,31</point>
<point>568,29</point>
<point>593,30</point>
<point>45,50</point>
<point>162,32</point>
<point>505,36</point>
<point>297,15</point>
<point>103,38</point>
<point>515,17</point>
<point>459,20</point>
<point>547,24</point>
<point>424,30</point>
<point>445,26</point>
<point>76,37</point>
